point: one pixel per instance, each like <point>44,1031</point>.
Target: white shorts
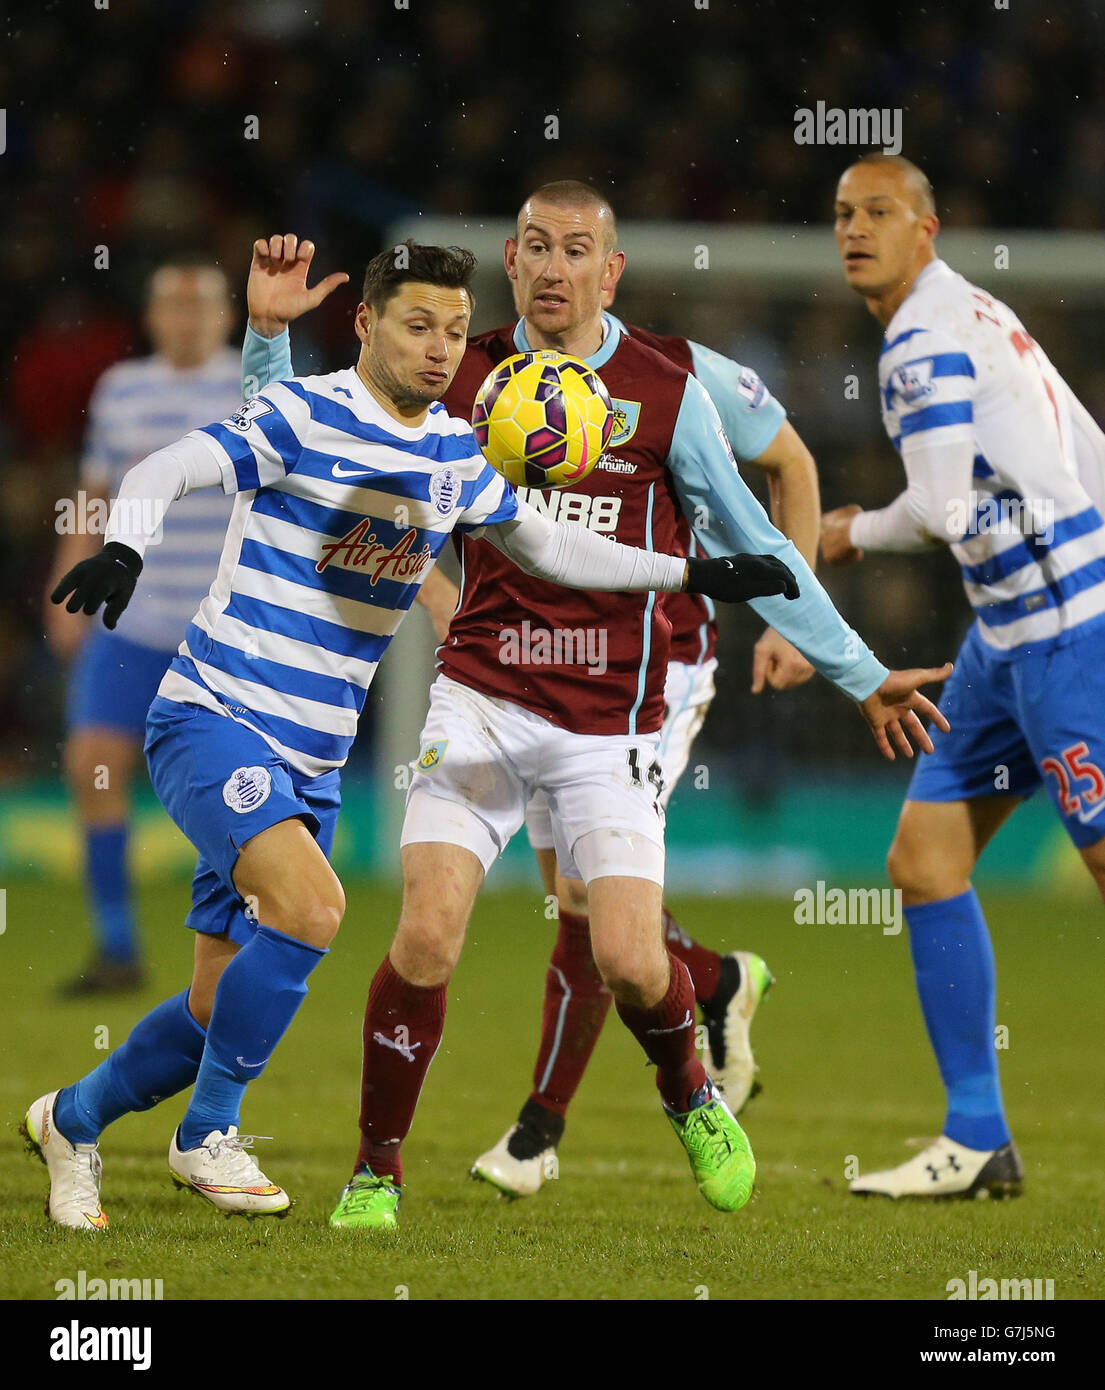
<point>482,759</point>
<point>688,691</point>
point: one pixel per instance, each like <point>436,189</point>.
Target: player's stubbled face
<point>558,264</point>
<point>416,345</point>
<point>878,229</point>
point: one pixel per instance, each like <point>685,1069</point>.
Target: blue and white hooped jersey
<point>959,368</point>
<point>137,407</point>
<point>341,513</point>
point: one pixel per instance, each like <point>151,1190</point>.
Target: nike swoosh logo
<point>252,1065</point>
<point>339,472</point>
<point>1097,810</point>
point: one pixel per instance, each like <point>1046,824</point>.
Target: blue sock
<point>113,921</point>
<point>953,961</point>
<point>256,999</point>
<point>160,1058</point>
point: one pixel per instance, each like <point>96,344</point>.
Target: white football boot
<point>75,1169</point>
<point>727,1055</point>
<point>948,1169</point>
<point>223,1171</point>
<point>514,1176</point>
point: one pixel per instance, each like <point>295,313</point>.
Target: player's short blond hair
<point>574,193</point>
<point>916,179</point>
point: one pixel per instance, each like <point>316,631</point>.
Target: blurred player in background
<point>1006,466</point>
<point>139,406</point>
<point>498,731</point>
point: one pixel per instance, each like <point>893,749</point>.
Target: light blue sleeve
<point>265,360</point>
<point>750,413</point>
<point>727,519</point>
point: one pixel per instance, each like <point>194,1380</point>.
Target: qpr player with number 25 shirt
<point>1006,466</point>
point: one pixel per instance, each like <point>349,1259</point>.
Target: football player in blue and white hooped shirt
<point>1005,466</point>
<point>138,406</point>
<point>348,486</point>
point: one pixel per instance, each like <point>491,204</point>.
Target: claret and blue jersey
<point>669,470</point>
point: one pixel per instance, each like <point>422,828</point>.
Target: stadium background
<point>372,118</point>
<point>125,127</point>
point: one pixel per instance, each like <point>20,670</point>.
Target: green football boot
<point>367,1202</point>
<point>720,1154</point>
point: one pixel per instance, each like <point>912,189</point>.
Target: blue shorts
<point>223,784</point>
<point>113,683</point>
<point>1022,721</point>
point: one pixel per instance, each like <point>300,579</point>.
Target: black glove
<point>737,578</point>
<point>108,578</point>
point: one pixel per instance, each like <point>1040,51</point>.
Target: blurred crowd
<point>133,140</point>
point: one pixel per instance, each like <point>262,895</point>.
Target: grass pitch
<point>847,1075</point>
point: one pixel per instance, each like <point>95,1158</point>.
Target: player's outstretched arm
<point>892,711</point>
<point>727,518</point>
<point>276,291</point>
<point>761,435</point>
<point>108,578</point>
<point>579,559</point>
